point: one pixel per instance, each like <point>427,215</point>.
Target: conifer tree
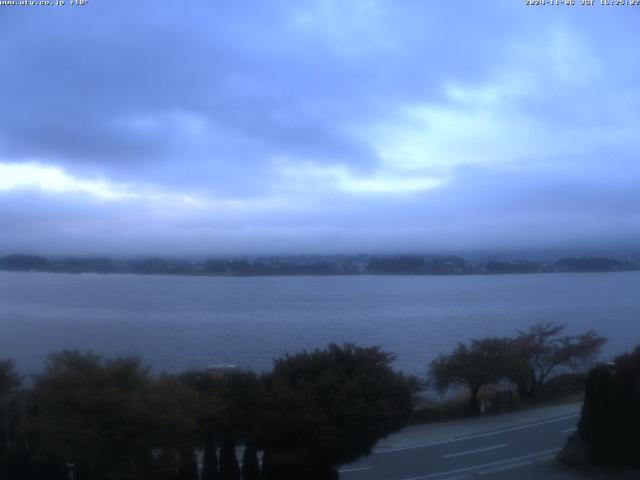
<point>229,468</point>
<point>210,459</point>
<point>250,465</point>
<point>188,465</point>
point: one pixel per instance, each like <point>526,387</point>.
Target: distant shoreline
<point>319,266</point>
<point>254,275</point>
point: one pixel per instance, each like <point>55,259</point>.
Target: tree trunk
<point>82,470</point>
<point>188,465</point>
<point>229,469</point>
<point>145,467</point>
<point>56,468</point>
<point>167,468</point>
<point>523,393</point>
<point>210,459</point>
<point>250,465</point>
<point>473,402</point>
<point>267,466</point>
<point>273,468</point>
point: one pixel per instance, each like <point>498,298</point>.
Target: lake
<point>177,323</point>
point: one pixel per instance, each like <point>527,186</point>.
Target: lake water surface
<point>177,323</point>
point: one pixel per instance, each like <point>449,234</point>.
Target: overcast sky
<point>206,127</point>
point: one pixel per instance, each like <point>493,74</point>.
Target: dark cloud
<point>280,125</point>
<point>284,80</point>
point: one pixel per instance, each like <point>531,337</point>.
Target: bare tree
<point>543,349</point>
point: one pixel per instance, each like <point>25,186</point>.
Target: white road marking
<point>469,452</point>
<point>355,469</point>
<point>486,465</point>
<point>569,430</point>
<point>480,435</point>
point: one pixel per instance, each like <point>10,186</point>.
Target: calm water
<point>176,323</point>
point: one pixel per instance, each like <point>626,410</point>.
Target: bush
<point>609,428</point>
<point>448,410</point>
<point>562,387</point>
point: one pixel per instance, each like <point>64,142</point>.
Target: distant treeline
<point>315,265</point>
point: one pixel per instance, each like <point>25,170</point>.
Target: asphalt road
<point>514,452</point>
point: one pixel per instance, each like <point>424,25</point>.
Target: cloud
<point>321,125</point>
<point>52,179</point>
<point>302,177</point>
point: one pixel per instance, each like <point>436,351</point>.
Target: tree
<point>210,459</point>
<point>23,262</point>
<point>94,413</point>
<point>480,363</point>
<point>542,349</point>
<point>172,408</point>
<point>229,468</point>
<point>329,407</point>
<point>250,464</point>
<point>609,428</point>
<point>188,464</point>
<point>396,265</point>
<point>10,381</point>
<point>230,408</point>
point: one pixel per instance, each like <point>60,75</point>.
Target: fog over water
<point>177,323</point>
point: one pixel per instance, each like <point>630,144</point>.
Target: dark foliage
<point>521,266</point>
<point>480,363</point>
<point>447,265</point>
<point>528,361</point>
<point>92,412</point>
<point>188,469</point>
<point>312,265</point>
<point>329,407</point>
<point>229,468</point>
<point>250,464</point>
<point>562,386</point>
<point>543,349</point>
<point>395,265</point>
<point>24,263</point>
<point>112,420</point>
<point>210,459</point>
<point>597,264</point>
<point>610,421</point>
<point>10,381</point>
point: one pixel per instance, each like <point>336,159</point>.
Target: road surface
<point>517,451</point>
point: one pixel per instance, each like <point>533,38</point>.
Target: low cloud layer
<point>278,127</point>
